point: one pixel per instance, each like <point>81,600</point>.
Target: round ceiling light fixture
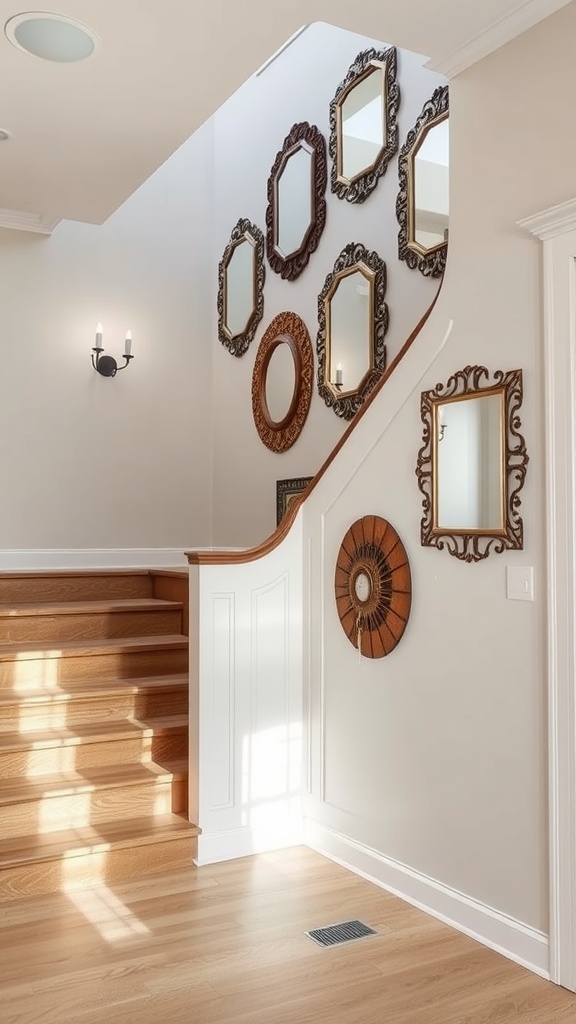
<point>51,36</point>
<point>5,136</point>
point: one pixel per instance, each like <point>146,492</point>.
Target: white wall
<point>435,757</point>
<point>89,462</point>
<point>249,130</point>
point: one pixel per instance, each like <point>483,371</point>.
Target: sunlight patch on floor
<point>112,918</point>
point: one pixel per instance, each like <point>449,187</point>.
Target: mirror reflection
<point>294,201</point>
<point>470,471</point>
<point>431,187</point>
<point>362,125</point>
<point>363,586</point>
<point>239,287</point>
<point>280,382</point>
<point>350,340</point>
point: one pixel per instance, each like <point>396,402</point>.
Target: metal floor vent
<point>336,933</point>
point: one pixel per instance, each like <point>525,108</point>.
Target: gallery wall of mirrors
<point>359,151</point>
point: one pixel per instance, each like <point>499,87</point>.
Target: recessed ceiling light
<point>51,36</point>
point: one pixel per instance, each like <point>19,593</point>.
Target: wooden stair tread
<point>67,843</point>
<point>102,777</point>
<point>68,648</point>
<point>86,688</point>
<point>178,768</point>
<point>135,604</point>
<point>85,733</point>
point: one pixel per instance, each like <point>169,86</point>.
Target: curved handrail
<point>271,542</point>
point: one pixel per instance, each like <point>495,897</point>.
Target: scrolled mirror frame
<point>432,263</point>
<point>354,255</point>
<point>359,188</point>
<point>290,267</point>
<point>239,343</point>
<point>286,328</point>
<point>475,545</point>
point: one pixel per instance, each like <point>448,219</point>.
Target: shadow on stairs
<point>93,728</point>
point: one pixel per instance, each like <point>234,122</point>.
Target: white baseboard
<point>243,842</point>
<point>515,940</point>
<point>14,559</point>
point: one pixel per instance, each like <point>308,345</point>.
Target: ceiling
<point>86,135</point>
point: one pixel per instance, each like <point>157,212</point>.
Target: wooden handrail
<point>271,542</point>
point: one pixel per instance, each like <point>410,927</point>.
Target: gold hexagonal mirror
<point>240,287</point>
<point>363,128</point>
<point>423,203</point>
<point>352,323</point>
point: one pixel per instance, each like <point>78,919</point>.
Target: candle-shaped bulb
<point>98,336</point>
<point>339,373</point>
<point>128,344</point>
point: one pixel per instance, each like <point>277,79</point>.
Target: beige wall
<point>89,462</point>
<point>436,755</point>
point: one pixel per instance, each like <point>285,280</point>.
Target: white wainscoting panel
<point>248,676</point>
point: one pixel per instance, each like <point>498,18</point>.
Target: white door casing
<point>556,227</point>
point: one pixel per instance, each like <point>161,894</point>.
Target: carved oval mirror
<point>241,287</point>
<point>422,206</point>
<point>282,382</point>
<point>472,464</point>
<point>352,324</point>
<point>363,128</point>
<point>296,211</point>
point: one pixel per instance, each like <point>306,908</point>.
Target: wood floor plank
<point>225,944</point>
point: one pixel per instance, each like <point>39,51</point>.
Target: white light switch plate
<point>520,582</point>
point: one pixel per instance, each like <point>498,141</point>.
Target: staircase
<point>93,728</point>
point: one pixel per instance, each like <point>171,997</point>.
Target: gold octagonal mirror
<point>296,211</point>
<point>472,464</point>
<point>422,206</point>
<point>240,287</point>
<point>352,324</point>
<point>363,128</point>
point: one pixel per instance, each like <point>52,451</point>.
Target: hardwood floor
<point>226,943</point>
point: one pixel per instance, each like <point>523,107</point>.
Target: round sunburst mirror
<point>373,586</point>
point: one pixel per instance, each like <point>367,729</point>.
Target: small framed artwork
<point>286,492</point>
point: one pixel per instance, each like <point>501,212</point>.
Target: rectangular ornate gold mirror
<point>472,464</point>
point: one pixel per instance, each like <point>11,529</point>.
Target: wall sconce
<point>107,365</point>
<point>339,383</point>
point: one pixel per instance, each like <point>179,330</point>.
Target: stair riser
<point>106,867</point>
<point>30,673</point>
<point>77,711</point>
<point>29,589</point>
<point>30,763</point>
<point>180,797</point>
<point>174,588</point>
<point>78,810</point>
<point>170,746</point>
<point>54,629</point>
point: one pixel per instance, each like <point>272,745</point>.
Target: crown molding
<point>16,220</point>
<point>523,17</point>
<point>556,220</point>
